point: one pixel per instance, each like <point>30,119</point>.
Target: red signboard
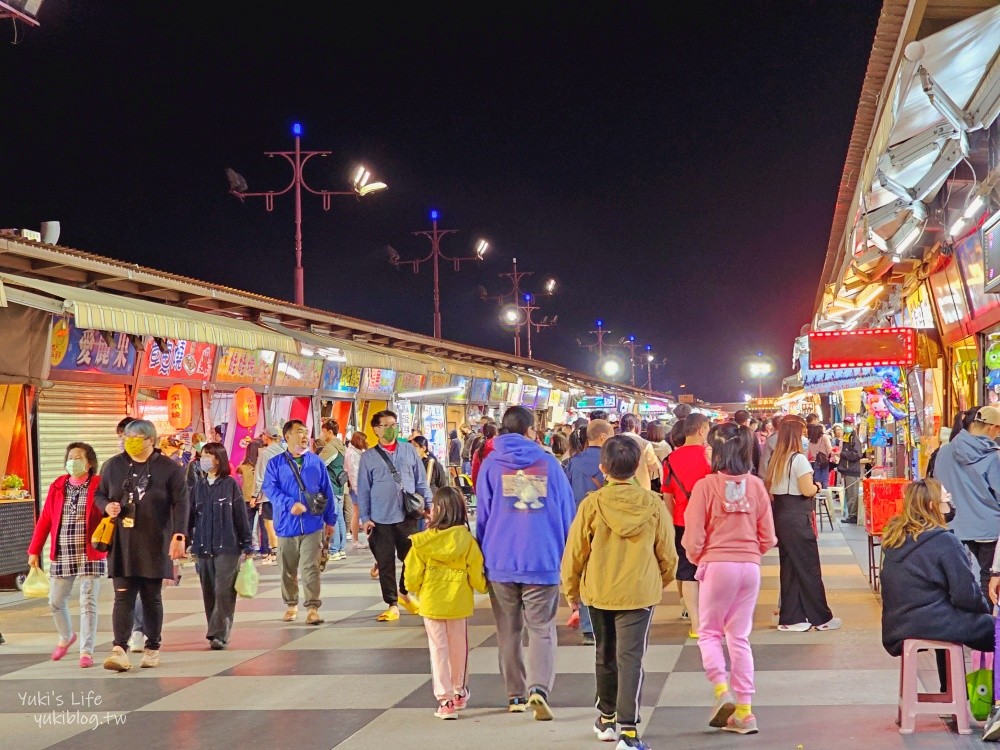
<point>871,347</point>
<point>183,360</point>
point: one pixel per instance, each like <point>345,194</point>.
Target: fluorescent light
<point>957,227</point>
<point>306,351</point>
<point>431,392</point>
<point>973,208</point>
<point>868,294</point>
<point>854,320</point>
<point>908,240</point>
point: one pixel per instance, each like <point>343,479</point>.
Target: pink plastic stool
<point>954,701</point>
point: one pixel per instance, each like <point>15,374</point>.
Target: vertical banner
<point>434,430</point>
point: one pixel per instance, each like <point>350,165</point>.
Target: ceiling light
<point>957,227</point>
<point>868,295</point>
<point>430,392</point>
<point>973,208</point>
<point>913,149</point>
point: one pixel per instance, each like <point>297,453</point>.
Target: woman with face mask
<point>68,519</point>
<point>219,532</point>
<point>437,477</point>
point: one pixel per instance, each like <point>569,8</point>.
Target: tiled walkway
<point>356,684</point>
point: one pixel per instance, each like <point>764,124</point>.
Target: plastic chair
<point>823,507</point>
<point>952,702</point>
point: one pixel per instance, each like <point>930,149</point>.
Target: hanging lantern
<point>179,406</point>
<point>246,407</point>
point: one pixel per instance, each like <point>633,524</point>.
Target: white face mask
<point>207,463</point>
<point>76,466</point>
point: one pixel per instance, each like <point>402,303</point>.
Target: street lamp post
<point>435,235</point>
<point>518,313</point>
<point>630,344</point>
<point>529,307</point>
<point>298,158</point>
<point>760,369</point>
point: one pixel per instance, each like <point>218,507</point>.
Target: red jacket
<point>477,461</point>
<point>51,517</point>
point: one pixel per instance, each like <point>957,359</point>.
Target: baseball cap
<point>273,431</point>
<point>989,415</point>
<point>848,419</point>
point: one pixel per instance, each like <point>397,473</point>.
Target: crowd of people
<point>603,513</point>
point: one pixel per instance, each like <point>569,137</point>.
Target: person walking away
<point>728,526</point>
<point>147,495</point>
<point>682,469</point>
<point>68,520</point>
<point>790,481</point>
<point>650,468</point>
<point>620,556</point>
<point>820,449</point>
<point>437,477</point>
<point>333,455</point>
<point>352,459</point>
<point>849,467</point>
<point>657,437</point>
<point>246,475</point>
<point>742,418</point>
<point>585,476</point>
<point>484,448</point>
<point>454,451</point>
<point>301,533</point>
<point>560,446</point>
<point>271,439</point>
<point>768,447</point>
<point>525,508</point>
<point>386,471</point>
<point>443,568</point>
<point>219,532</point>
<point>468,438</point>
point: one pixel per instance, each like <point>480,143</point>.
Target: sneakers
<point>137,642</point>
<point>798,627</point>
<point>340,555</point>
<point>313,617</point>
<point>517,705</point>
<point>606,729</point>
<point>461,700</point>
<point>118,661</point>
<point>446,710</point>
<point>86,661</point>
<point>217,645</point>
<point>359,545</point>
<point>271,559</point>
<point>746,725</point>
<point>538,703</point>
<point>991,730</point>
<point>150,659</point>
<point>629,740</point>
<point>685,615</point>
<point>833,624</point>
<point>724,707</point>
<point>588,639</point>
<point>60,651</point>
<point>290,614</point>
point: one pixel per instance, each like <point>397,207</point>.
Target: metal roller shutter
<point>70,412</point>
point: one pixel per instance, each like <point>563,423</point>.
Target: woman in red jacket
<point>485,448</point>
<point>69,519</point>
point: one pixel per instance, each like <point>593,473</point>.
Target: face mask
<point>848,430</point>
<point>207,463</point>
<point>134,444</point>
<point>950,515</point>
<point>76,466</point>
<point>389,434</point>
<point>199,446</point>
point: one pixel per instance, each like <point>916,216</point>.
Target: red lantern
<point>179,406</point>
<point>246,407</point>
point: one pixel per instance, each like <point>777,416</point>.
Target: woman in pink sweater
<point>728,526</point>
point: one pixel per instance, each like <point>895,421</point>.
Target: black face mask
<point>950,515</point>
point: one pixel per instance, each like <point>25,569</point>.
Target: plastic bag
<point>247,580</point>
<point>36,585</point>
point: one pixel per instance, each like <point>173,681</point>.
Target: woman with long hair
<point>820,449</point>
<point>246,474</point>
<point>790,481</point>
<point>437,476</point>
<point>485,448</point>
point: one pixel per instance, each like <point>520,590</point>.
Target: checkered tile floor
<point>355,684</point>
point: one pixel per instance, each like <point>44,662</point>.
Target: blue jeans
<point>467,468</point>
<point>138,619</point>
<point>822,476</point>
<point>339,531</point>
<point>586,625</point>
<point>59,591</point>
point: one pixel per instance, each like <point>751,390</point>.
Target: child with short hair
<point>443,569</point>
<point>728,525</point>
<point>619,557</point>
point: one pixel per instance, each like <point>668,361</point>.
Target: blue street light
<point>631,338</point>
<point>296,128</point>
<point>527,298</point>
<point>600,322</point>
<point>649,347</point>
<point>434,215</point>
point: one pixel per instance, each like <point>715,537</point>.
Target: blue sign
<point>339,378</point>
<point>480,392</point>
<point>90,351</point>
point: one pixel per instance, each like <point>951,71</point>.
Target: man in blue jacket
<point>969,467</point>
<point>525,510</point>
<point>301,535</point>
<point>381,509</point>
<point>585,476</point>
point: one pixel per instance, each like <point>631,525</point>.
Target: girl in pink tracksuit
<point>728,526</point>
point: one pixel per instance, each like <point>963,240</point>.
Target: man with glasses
<point>384,473</point>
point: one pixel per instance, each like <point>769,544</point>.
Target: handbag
<point>103,535</point>
<point>315,501</point>
<point>413,504</point>
<point>822,460</point>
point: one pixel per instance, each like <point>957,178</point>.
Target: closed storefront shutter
<point>77,412</point>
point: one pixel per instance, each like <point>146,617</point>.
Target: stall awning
<point>111,312</point>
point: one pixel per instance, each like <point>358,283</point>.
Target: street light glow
<point>611,368</point>
<point>650,357</point>
<point>296,128</point>
<point>434,214</point>
<point>760,369</point>
<point>481,247</point>
<point>550,286</point>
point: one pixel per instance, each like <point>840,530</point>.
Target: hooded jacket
<point>728,519</point>
<point>584,472</point>
<point>930,592</point>
<point>969,467</point>
<point>621,552</point>
<point>443,568</point>
<point>525,508</point>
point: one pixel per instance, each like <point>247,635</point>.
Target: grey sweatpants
<point>518,607</point>
<point>299,556</point>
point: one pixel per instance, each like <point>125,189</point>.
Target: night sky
<point>676,176</point>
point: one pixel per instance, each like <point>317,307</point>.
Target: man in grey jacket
<point>969,468</point>
<point>381,507</point>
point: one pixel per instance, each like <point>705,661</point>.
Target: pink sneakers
<point>446,710</point>
<point>461,700</point>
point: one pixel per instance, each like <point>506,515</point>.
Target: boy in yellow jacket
<point>619,557</point>
<point>443,568</point>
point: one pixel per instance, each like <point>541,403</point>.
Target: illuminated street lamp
<point>361,185</point>
<point>760,369</point>
<point>518,313</point>
<point>611,367</point>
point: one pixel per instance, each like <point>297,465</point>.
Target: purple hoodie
<point>525,506</point>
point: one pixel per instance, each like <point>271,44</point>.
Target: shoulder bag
<point>315,501</point>
<point>413,504</point>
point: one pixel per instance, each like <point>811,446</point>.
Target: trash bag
<point>36,585</point>
<point>247,580</point>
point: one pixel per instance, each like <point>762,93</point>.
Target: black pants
<point>983,552</point>
<point>803,596</point>
<point>218,592</point>
<point>621,636</point>
<point>389,541</point>
<point>122,614</point>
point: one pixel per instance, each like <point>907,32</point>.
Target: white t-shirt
<point>782,485</point>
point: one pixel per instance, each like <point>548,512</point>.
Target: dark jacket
<point>850,455</point>
<point>437,477</point>
<point>930,592</point>
<point>454,449</point>
<point>218,520</point>
<point>584,473</point>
